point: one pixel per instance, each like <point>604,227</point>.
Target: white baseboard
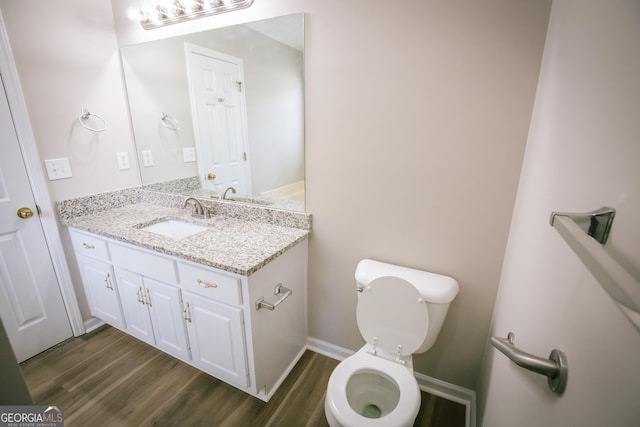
<point>426,383</point>
<point>283,377</point>
<point>451,392</point>
<point>327,349</point>
<point>92,324</point>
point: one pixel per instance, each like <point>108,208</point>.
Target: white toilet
<point>400,312</point>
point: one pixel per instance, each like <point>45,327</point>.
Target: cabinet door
<point>216,336</point>
<point>134,307</point>
<point>102,292</point>
<point>165,308</point>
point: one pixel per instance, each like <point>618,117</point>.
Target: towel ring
<point>169,122</point>
<point>84,115</point>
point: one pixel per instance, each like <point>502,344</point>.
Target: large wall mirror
<point>220,113</point>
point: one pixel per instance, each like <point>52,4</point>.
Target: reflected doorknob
<point>211,176</point>
<point>25,213</point>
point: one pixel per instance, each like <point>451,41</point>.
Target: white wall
<point>582,153</point>
<point>156,82</point>
<point>416,119</point>
<point>68,59</point>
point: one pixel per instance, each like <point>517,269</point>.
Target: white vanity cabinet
<point>153,312</point>
<point>204,316</point>
<point>216,334</point>
<point>98,278</point>
<point>215,322</point>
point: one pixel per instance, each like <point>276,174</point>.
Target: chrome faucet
<point>198,210</point>
<point>224,195</point>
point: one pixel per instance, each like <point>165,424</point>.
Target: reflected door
<point>217,103</point>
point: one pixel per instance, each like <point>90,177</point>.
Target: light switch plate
<point>147,158</point>
<point>123,160</point>
<point>58,168</point>
<point>189,154</point>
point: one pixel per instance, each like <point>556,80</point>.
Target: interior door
<point>31,305</point>
<point>217,103</point>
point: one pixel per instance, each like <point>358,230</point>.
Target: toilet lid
<point>392,310</point>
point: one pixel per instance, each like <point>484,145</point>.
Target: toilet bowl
<point>400,312</point>
<point>366,390</point>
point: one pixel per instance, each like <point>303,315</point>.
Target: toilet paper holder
<point>279,289</point>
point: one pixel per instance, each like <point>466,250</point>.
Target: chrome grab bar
<point>555,368</point>
<point>279,289</point>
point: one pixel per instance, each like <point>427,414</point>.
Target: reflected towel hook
<point>85,115</point>
<point>169,122</point>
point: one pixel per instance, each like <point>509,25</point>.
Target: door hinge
<point>244,156</point>
<point>239,86</point>
<point>38,210</point>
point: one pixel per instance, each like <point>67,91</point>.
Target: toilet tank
<point>437,291</point>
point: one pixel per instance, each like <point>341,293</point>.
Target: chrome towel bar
<point>596,224</point>
<point>620,284</point>
<point>555,368</point>
<point>279,289</point>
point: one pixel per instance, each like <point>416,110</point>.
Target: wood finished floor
<point>107,378</point>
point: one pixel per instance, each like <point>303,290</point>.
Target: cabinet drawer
<point>144,263</point>
<point>89,245</point>
<point>210,283</point>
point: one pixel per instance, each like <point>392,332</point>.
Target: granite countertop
<point>229,244</point>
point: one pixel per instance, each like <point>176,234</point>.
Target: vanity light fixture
<point>174,11</point>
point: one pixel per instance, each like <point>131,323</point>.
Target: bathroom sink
<point>174,228</point>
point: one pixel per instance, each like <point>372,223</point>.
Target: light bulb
<point>137,15</point>
<point>177,8</point>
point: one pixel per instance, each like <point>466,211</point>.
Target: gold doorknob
<point>25,213</point>
<point>211,175</point>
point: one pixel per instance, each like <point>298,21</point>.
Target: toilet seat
<point>387,312</point>
<point>404,414</point>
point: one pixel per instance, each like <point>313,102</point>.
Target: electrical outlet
<point>189,154</point>
<point>58,168</point>
<point>147,158</point>
<point>123,160</point>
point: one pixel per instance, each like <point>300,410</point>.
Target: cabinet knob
<point>204,284</point>
<point>187,314</point>
<point>147,298</point>
<point>139,295</point>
